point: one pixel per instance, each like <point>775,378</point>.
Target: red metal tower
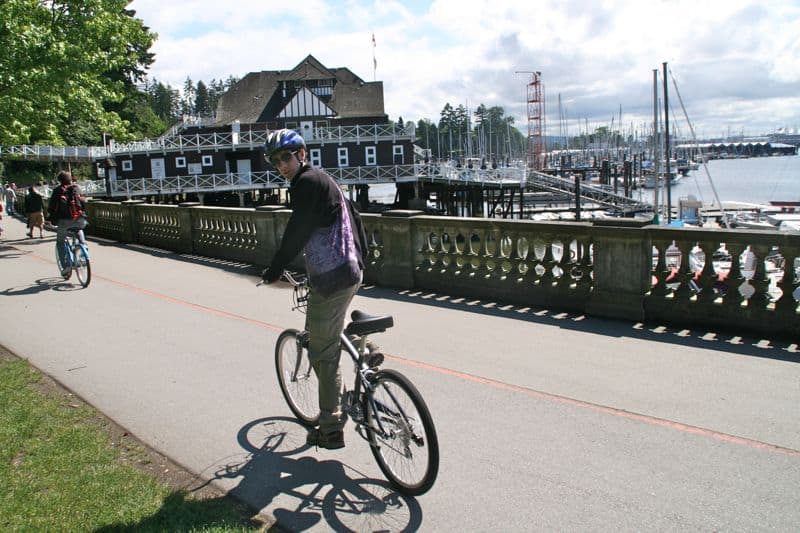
<point>536,148</point>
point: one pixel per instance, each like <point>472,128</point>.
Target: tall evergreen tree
<point>188,97</point>
<point>202,104</point>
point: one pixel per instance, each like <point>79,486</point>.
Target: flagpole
<point>374,61</point>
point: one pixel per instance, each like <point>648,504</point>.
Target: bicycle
<point>388,411</point>
<point>75,258</point>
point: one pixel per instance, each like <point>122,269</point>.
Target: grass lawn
<point>64,467</point>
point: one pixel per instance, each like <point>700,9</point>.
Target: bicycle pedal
<point>375,359</point>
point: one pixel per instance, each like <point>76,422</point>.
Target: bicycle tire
<point>410,428</point>
<point>297,379</point>
<point>83,267</point>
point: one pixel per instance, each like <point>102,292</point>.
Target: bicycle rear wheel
<point>83,268</point>
<point>296,377</point>
<point>404,442</point>
<point>61,261</point>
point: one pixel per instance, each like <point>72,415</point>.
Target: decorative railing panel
<point>109,220</point>
<point>375,227</point>
<point>516,262</point>
<point>225,233</point>
<point>159,226</point>
<point>725,277</point>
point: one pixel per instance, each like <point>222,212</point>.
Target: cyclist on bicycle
<point>320,226</point>
<point>65,210</point>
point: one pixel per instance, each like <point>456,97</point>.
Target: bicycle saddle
<point>364,324</point>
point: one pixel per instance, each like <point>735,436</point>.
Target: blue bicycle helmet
<point>283,139</point>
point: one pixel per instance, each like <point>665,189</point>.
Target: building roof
<point>261,96</point>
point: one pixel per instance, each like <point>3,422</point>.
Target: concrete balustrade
<point>726,280</point>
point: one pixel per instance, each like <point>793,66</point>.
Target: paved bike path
<point>545,420</point>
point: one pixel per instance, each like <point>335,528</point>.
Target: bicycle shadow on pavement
<point>41,285</point>
<point>8,251</point>
<point>324,494</point>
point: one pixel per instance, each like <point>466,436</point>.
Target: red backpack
<point>69,204</point>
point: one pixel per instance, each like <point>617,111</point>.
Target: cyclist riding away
<point>320,226</point>
<point>66,210</point>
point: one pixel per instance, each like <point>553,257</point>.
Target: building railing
<point>365,175</point>
<point>723,280</point>
<point>256,138</point>
<point>374,132</point>
<point>37,152</point>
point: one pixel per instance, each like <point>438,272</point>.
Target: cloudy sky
<point>736,62</point>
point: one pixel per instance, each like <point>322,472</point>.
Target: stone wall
<point>650,274</point>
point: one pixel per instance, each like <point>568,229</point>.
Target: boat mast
<point>656,145</point>
<point>702,155</point>
<point>667,177</point>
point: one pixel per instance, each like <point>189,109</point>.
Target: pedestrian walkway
<point>546,421</point>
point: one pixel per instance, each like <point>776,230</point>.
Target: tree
<point>188,99</point>
<point>164,101</point>
<point>201,102</point>
<point>57,64</point>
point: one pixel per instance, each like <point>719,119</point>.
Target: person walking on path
<point>34,206</point>
<point>321,227</point>
<point>11,199</point>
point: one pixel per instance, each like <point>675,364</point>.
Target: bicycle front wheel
<point>83,268</point>
<point>296,377</point>
<point>401,433</point>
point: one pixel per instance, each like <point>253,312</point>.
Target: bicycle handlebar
<point>295,280</point>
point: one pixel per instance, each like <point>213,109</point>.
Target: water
<point>755,180</point>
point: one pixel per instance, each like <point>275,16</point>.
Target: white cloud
<point>737,62</point>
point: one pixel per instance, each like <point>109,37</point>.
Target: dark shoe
<point>329,441</point>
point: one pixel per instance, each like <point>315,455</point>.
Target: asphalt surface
<point>546,421</point>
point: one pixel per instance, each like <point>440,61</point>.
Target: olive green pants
<point>324,322</point>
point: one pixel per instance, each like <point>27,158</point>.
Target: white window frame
<point>370,156</point>
<point>180,162</point>
<point>343,157</point>
<point>315,156</point>
<point>292,126</point>
<point>127,165</point>
<point>208,160</point>
<point>397,150</point>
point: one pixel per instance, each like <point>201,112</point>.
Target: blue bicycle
<point>74,257</point>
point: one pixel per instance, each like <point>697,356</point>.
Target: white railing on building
<point>53,153</point>
<point>206,141</point>
<point>344,176</point>
<point>256,138</point>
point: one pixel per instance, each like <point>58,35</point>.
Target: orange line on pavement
<point>651,420</point>
<point>191,305</point>
<point>185,303</point>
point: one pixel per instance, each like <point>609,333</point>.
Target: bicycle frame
<point>363,373</point>
<point>71,242</point>
<point>362,370</point>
